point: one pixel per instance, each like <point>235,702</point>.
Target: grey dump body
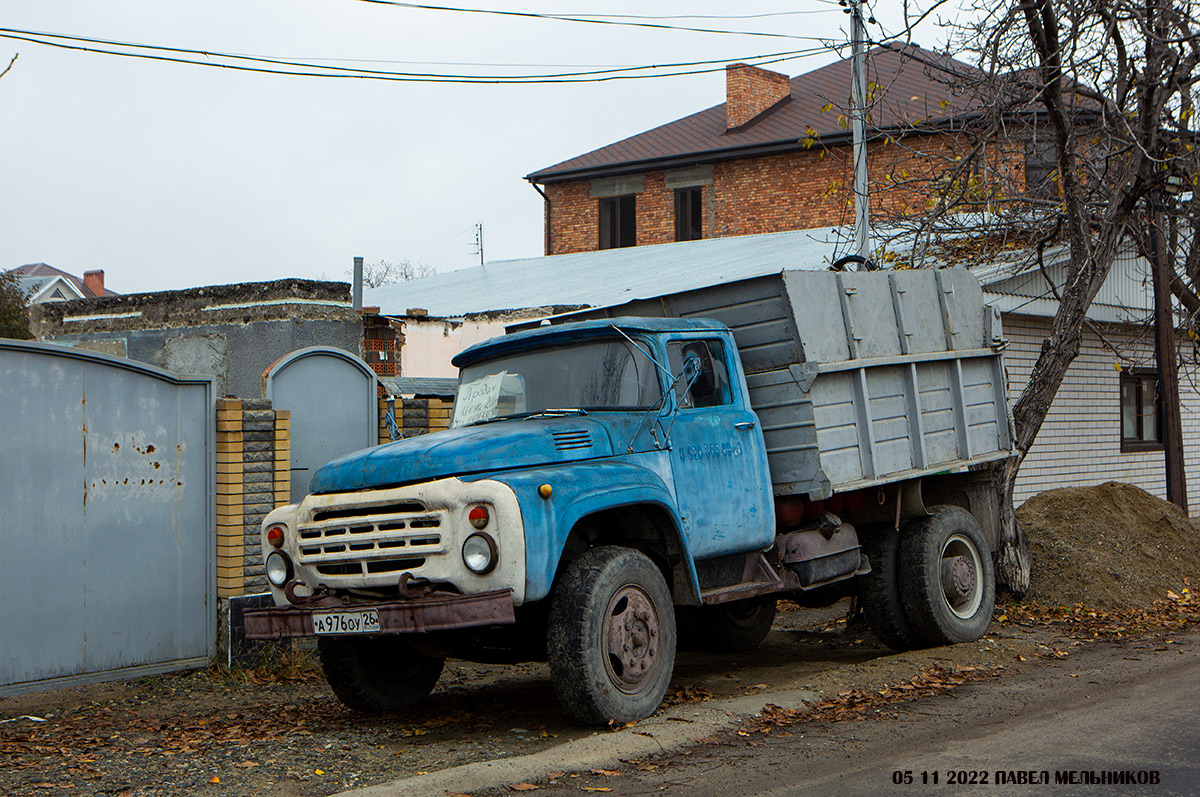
<point>860,378</point>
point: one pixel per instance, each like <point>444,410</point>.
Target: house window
<point>618,221</point>
<point>1041,170</point>
<point>1141,411</point>
<point>687,214</point>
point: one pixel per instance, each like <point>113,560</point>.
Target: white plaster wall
<point>429,344</point>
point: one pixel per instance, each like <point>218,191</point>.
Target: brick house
<point>775,156</point>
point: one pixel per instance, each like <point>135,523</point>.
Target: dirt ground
<point>278,729</point>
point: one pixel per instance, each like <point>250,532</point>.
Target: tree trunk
<point>1014,558</point>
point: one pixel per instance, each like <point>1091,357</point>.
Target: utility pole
<point>858,121</point>
<point>1168,371</point>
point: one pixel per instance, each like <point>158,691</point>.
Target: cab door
<point>718,457</point>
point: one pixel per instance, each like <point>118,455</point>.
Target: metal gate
<point>332,396</point>
<point>106,500</point>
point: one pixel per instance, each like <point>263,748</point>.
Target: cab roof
<point>551,334</point>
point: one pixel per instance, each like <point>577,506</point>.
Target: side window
<point>1141,411</point>
<point>711,388</point>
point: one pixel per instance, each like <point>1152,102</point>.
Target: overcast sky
<point>171,176</point>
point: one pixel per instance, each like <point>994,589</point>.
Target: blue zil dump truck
<point>675,465</point>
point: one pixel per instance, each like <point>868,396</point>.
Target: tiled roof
<point>43,270</point>
<point>913,88</point>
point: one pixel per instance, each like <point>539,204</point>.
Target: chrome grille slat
<point>371,541</point>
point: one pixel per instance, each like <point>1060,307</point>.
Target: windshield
<point>599,375</point>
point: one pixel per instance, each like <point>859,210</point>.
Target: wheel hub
<point>633,635</point>
<point>958,579</point>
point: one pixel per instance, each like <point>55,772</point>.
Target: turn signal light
<point>275,536</point>
<point>478,517</point>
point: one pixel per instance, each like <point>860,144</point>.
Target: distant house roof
<point>48,288</point>
<point>914,89</point>
<point>43,270</point>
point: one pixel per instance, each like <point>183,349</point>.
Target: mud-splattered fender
<point>576,492</point>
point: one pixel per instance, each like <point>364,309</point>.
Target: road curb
<point>666,732</point>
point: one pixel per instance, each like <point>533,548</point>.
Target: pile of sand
<point>1109,547</point>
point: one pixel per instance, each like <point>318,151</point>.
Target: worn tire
<point>611,637</point>
<point>377,674</point>
<point>728,627</point>
<point>880,591</point>
<point>948,584</point>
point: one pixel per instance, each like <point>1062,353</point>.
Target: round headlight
<point>479,553</point>
<point>279,568</point>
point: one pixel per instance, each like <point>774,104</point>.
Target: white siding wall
<point>1080,444</point>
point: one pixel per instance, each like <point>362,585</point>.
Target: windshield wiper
<point>525,416</point>
<point>557,413</point>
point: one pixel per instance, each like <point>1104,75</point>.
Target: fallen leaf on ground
<point>524,786</point>
<point>605,772</point>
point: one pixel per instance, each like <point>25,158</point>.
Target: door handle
<point>744,425</point>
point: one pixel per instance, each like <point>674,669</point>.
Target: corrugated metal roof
<point>914,88</point>
<point>613,276</point>
<point>616,276</point>
<point>419,386</point>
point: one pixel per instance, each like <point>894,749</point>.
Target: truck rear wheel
<point>880,591</point>
<point>948,586</point>
<point>611,637</point>
<point>377,674</point>
<point>729,627</point>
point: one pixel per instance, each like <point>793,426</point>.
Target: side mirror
<point>704,384</point>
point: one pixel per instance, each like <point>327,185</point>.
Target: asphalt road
<point>1128,708</point>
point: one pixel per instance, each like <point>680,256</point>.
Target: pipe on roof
<point>547,220</point>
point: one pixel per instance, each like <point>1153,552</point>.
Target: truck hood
<point>503,445</point>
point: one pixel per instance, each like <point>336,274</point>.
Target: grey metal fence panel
<point>332,396</point>
<point>107,469</point>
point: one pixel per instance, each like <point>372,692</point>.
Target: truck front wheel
<point>377,674</point>
<point>611,637</point>
<point>948,585</point>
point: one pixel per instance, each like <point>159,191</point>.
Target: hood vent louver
<point>572,439</point>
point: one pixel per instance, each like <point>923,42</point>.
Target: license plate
<point>365,621</point>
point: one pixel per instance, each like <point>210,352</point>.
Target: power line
<point>307,69</point>
<point>593,19</point>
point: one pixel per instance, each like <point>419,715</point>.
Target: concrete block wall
<point>1080,442</point>
<point>253,477</point>
<point>416,416</point>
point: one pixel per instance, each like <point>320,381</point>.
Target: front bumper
<point>436,612</point>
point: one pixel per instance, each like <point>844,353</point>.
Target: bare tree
<point>1080,117</point>
<point>387,272</point>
